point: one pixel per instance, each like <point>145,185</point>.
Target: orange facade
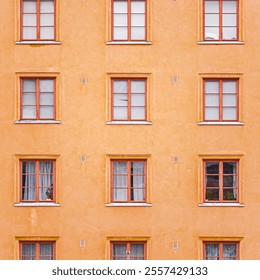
<point>129,129</point>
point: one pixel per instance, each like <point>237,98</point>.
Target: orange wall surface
<point>174,188</point>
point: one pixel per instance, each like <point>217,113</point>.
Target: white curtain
<point>28,180</point>
<point>46,180</point>
<point>119,251</point>
<point>137,181</point>
<point>46,99</point>
<point>229,251</point>
<point>28,251</point>
<point>120,181</point>
<point>46,251</point>
<point>137,251</point>
<point>212,251</point>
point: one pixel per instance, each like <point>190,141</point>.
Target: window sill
<point>38,43</point>
<point>221,43</point>
<point>223,204</point>
<point>221,123</point>
<point>129,43</point>
<point>129,122</point>
<point>38,204</point>
<point>37,122</point>
<point>125,204</point>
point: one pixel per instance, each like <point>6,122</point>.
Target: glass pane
<point>137,252</point>
<point>120,195</point>
<point>229,20</point>
<point>119,251</point>
<point>212,87</point>
<point>29,86</point>
<point>47,6</point>
<point>29,33</point>
<point>230,168</point>
<point>137,113</point>
<point>137,20</point>
<point>120,6</point>
<point>120,167</point>
<point>229,33</point>
<point>229,250</point>
<point>29,99</point>
<point>211,114</point>
<point>29,20</point>
<point>47,33</point>
<point>138,7</point>
<point>46,85</point>
<point>120,113</point>
<point>212,181</point>
<point>47,20</point>
<point>29,6</point>
<point>120,33</point>
<point>28,251</point>
<point>211,33</point>
<point>138,100</point>
<point>46,99</point>
<point>120,181</point>
<point>212,167</point>
<point>137,167</point>
<point>137,33</point>
<point>229,86</point>
<point>212,251</point>
<point>230,194</point>
<point>137,86</point>
<point>211,20</point>
<point>120,20</point>
<point>229,6</point>
<point>46,112</point>
<point>229,100</point>
<point>120,100</point>
<point>46,251</point>
<point>120,86</point>
<point>29,112</point>
<point>229,114</point>
<point>229,181</point>
<point>212,194</point>
<point>212,6</point>
<point>138,181</point>
<point>212,100</point>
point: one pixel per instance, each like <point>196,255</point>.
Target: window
<point>221,250</point>
<point>129,19</point>
<point>221,180</point>
<point>128,180</point>
<point>37,20</point>
<point>128,250</point>
<point>37,98</point>
<point>37,180</point>
<point>129,99</point>
<point>221,20</point>
<point>221,100</point>
<point>30,250</point>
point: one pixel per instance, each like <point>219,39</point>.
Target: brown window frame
<point>220,243</point>
<point>37,244</point>
<point>220,100</point>
<point>128,244</point>
<point>129,94</point>
<point>129,39</point>
<point>220,26</point>
<point>38,94</point>
<point>50,192</point>
<point>129,177</point>
<point>38,22</point>
<point>221,176</point>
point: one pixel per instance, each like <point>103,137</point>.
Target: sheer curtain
<point>28,251</point>
<point>137,252</point>
<point>229,251</point>
<point>46,180</point>
<point>120,181</point>
<point>137,181</point>
<point>212,251</point>
<point>46,251</point>
<point>119,251</point>
<point>28,180</point>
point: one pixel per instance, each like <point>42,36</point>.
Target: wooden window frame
<point>128,246</point>
<point>221,176</point>
<point>37,244</point>
<point>129,118</point>
<point>129,39</point>
<point>129,175</point>
<point>221,23</point>
<point>220,95</point>
<point>38,22</point>
<point>221,243</point>
<point>38,106</point>
<point>37,174</point>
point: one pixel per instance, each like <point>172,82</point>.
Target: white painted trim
<point>38,43</point>
<point>129,43</point>
<point>38,204</point>
<point>221,123</point>
<point>37,122</point>
<point>223,204</point>
<point>129,122</point>
<point>221,43</point>
<point>120,204</point>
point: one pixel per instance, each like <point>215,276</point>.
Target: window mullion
<point>37,179</point>
<point>37,99</point>
<point>220,20</point>
<point>129,35</point>
<point>220,100</point>
<point>129,181</point>
<point>38,18</point>
<point>221,178</point>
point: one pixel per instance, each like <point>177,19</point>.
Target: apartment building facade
<point>129,129</point>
